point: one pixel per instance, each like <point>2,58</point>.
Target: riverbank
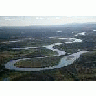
<point>77,71</point>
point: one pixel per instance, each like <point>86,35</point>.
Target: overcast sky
<point>43,20</point>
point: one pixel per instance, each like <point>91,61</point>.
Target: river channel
<point>64,61</point>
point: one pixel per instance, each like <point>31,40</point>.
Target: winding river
<point>66,60</point>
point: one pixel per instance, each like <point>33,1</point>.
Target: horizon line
<point>52,25</point>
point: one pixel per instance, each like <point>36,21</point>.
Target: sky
<point>43,20</point>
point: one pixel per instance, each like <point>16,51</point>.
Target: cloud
<point>39,18</point>
<point>57,17</point>
<point>9,19</point>
<point>43,20</point>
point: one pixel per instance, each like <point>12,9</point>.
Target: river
<point>64,61</point>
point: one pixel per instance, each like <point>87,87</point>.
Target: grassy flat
<point>38,62</point>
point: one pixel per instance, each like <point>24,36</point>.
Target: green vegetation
<point>83,68</point>
<point>6,56</point>
<point>41,52</point>
<point>38,62</point>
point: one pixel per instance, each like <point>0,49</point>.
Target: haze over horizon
<point>44,20</point>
